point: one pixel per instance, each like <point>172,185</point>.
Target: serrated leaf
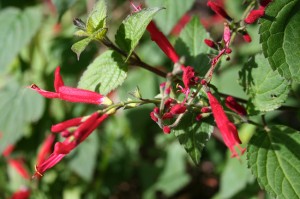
<point>274,159</point>
<point>80,46</point>
<point>191,45</point>
<point>175,9</point>
<point>193,135</point>
<point>268,90</point>
<point>97,17</point>
<point>132,29</point>
<point>108,70</point>
<point>82,163</point>
<point>239,176</point>
<point>17,29</point>
<point>18,106</point>
<point>280,38</point>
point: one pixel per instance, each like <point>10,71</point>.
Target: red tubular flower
<point>159,38</point>
<point>60,127</point>
<point>254,15</point>
<point>8,150</point>
<point>227,129</point>
<point>46,148</point>
<point>23,193</point>
<point>19,166</point>
<point>71,94</point>
<point>63,148</point>
<point>232,104</point>
<point>219,10</point>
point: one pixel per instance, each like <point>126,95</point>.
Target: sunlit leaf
<point>107,71</point>
<point>133,28</point>
<point>279,34</point>
<point>273,157</point>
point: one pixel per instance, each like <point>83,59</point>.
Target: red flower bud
<point>228,51</point>
<point>199,117</point>
<point>203,82</point>
<point>152,114</point>
<point>210,44</point>
<point>205,110</point>
<point>178,109</point>
<point>247,37</point>
<point>166,130</point>
<point>167,116</point>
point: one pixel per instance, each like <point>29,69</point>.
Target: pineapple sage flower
<point>227,128</point>
<point>61,149</point>
<point>71,94</point>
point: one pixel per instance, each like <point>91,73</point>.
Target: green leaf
<point>82,163</point>
<point>274,159</point>
<point>17,29</point>
<point>281,39</point>
<point>80,46</point>
<point>108,70</point>
<point>191,45</point>
<point>132,29</point>
<point>18,106</point>
<point>267,89</point>
<point>239,176</point>
<point>97,17</point>
<point>174,176</point>
<point>193,135</point>
<point>175,9</point>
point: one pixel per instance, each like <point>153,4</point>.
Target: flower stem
<point>134,60</point>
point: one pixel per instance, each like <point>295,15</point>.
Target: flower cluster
<point>75,130</point>
<point>81,130</point>
<point>170,108</point>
